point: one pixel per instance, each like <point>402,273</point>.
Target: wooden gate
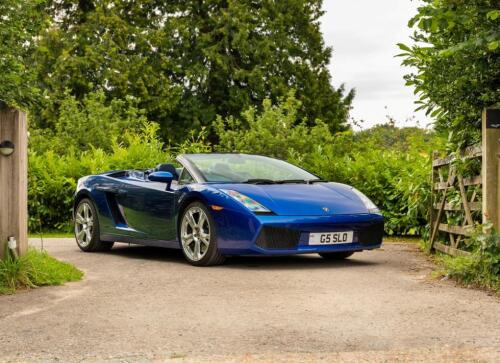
<point>461,201</point>
<point>456,206</point>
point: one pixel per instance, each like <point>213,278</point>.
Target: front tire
<point>87,228</point>
<point>336,255</point>
<point>198,236</point>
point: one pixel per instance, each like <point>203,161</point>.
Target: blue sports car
<point>217,205</point>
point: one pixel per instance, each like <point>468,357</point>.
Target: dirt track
<point>146,304</point>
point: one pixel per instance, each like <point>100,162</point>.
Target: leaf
<point>493,15</point>
<point>494,45</point>
<point>404,47</point>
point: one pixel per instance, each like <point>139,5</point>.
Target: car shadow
<point>292,262</point>
<point>306,261</point>
<point>147,253</point>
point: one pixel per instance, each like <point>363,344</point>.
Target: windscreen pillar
<point>491,167</point>
<point>13,179</point>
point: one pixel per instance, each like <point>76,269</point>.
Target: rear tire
<point>198,236</point>
<point>87,228</point>
<point>336,255</point>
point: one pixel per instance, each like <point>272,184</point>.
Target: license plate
<point>330,238</point>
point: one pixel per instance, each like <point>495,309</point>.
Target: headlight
<point>248,202</point>
<point>372,208</point>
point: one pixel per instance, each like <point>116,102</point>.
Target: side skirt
<point>144,242</point>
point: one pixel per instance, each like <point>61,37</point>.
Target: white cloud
<point>363,35</point>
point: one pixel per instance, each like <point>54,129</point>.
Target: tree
<point>456,61</point>
<point>187,61</point>
<point>20,21</point>
<point>276,131</point>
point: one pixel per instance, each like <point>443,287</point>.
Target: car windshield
<point>243,168</point>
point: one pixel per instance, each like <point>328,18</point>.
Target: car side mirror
<point>162,177</point>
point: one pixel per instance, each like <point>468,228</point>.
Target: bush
<point>455,63</point>
<point>275,131</point>
<point>482,267</point>
<point>34,269</point>
<point>92,123</point>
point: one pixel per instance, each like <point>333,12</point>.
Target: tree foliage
<point>274,131</point>
<point>20,22</point>
<point>187,61</point>
<point>89,123</point>
<point>456,61</point>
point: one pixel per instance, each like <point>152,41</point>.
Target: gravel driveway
<point>147,304</point>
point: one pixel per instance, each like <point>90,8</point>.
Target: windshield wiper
<point>291,181</point>
<point>312,181</point>
<point>284,181</point>
<point>259,181</point>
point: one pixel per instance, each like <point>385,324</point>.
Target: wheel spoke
<point>186,240</point>
<point>79,219</point>
<point>202,220</point>
<point>86,211</point>
<point>197,250</point>
<point>88,236</point>
<point>205,238</point>
<point>187,236</point>
<point>190,219</point>
<point>80,234</point>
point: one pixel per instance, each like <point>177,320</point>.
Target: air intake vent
<point>371,235</point>
<point>278,238</point>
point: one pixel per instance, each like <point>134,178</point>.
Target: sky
<point>363,35</point>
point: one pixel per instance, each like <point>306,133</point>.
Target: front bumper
<point>281,235</point>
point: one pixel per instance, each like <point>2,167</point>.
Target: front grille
<point>278,238</point>
<point>372,234</point>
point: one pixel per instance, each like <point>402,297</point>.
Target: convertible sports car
<point>217,205</point>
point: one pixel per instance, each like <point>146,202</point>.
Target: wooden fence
<point>461,202</point>
<point>456,206</point>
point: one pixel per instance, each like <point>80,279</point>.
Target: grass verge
<point>475,270</point>
<point>479,269</point>
<point>52,234</point>
<point>34,269</point>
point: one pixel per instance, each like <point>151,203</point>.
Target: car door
<point>148,210</point>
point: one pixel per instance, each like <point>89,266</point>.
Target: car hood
<point>302,199</point>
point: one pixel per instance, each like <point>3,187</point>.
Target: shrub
<point>91,123</point>
<point>481,267</point>
<point>455,63</point>
<point>275,131</point>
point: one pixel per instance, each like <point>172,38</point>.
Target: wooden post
<point>14,179</point>
<point>491,167</point>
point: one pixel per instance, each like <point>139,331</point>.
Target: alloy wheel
<point>84,224</point>
<point>195,233</point>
